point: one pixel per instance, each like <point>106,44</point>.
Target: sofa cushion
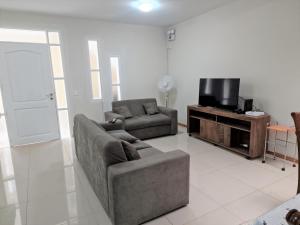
<point>147,152</point>
<point>134,105</point>
<point>130,151</point>
<point>122,135</point>
<point>151,132</point>
<point>145,121</point>
<point>139,145</point>
<point>123,110</point>
<point>151,108</point>
<point>98,124</point>
<point>89,138</point>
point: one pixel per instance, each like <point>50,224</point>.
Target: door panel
<point>27,83</point>
<point>212,131</point>
<point>19,63</point>
<point>203,131</point>
<point>24,118</point>
<point>227,136</point>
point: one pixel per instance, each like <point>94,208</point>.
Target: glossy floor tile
<point>217,217</point>
<point>44,184</point>
<point>284,189</point>
<point>159,221</point>
<point>200,204</point>
<point>222,187</point>
<point>252,206</point>
<point>13,215</point>
<point>253,175</point>
<point>57,209</point>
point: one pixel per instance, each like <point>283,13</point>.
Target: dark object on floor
<point>296,117</point>
<point>293,217</point>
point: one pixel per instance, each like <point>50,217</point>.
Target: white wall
<point>142,52</point>
<point>257,40</point>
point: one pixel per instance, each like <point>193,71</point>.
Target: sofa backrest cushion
<point>151,108</point>
<point>96,150</point>
<point>135,105</point>
<point>98,141</point>
<point>123,110</point>
<point>123,136</point>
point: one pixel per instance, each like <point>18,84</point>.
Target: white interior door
<point>28,93</point>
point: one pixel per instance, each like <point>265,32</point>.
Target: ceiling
<point>170,12</point>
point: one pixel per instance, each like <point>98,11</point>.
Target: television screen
<point>217,92</point>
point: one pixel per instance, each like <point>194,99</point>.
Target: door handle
<point>51,96</point>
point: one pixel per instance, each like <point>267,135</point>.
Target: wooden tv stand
<point>238,132</point>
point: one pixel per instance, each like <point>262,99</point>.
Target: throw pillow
<point>151,108</point>
<point>123,110</point>
<point>130,151</point>
<point>123,135</point>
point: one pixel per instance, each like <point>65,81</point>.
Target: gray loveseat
<point>144,126</point>
<point>131,192</point>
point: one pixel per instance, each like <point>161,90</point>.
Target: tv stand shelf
<point>238,132</point>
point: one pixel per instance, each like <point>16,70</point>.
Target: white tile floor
<point>43,184</point>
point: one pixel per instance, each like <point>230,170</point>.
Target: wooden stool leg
<point>295,155</point>
<point>275,146</point>
<point>266,146</point>
<point>286,149</point>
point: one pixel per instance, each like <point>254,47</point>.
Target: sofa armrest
<point>172,113</point>
<point>118,125</point>
<point>143,189</point>
<point>109,116</point>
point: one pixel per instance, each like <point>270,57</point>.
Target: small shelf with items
<point>240,140</point>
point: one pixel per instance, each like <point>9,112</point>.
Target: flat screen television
<point>219,92</point>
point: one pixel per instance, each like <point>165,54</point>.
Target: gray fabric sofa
<point>131,192</point>
<point>145,126</point>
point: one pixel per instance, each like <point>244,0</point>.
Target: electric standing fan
<point>165,86</point>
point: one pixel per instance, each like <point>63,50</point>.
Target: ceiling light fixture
<point>146,5</point>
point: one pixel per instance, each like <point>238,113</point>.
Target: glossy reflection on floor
<point>43,184</point>
<point>4,142</point>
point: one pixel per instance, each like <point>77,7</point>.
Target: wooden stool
<point>279,129</point>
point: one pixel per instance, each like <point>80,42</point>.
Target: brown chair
<point>296,117</point>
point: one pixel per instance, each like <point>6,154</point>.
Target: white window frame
<point>60,78</point>
<point>90,70</point>
<point>120,72</point>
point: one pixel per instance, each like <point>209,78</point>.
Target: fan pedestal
<point>166,99</point>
